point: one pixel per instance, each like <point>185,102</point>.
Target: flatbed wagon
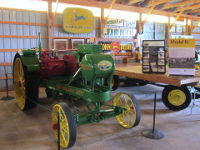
<point>177,92</point>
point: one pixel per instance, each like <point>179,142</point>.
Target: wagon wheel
<point>66,123</point>
<point>176,98</point>
<point>25,85</point>
<point>131,116</point>
<point>115,82</point>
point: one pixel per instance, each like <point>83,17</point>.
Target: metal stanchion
<point>153,133</point>
<point>7,97</point>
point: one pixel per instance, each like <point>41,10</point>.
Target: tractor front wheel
<point>66,125</point>
<point>131,115</point>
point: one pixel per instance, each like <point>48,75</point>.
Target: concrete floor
<point>32,130</point>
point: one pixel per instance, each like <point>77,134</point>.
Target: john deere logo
<point>104,65</point>
<point>78,20</point>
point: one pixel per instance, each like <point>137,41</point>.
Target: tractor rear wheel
<point>26,85</point>
<point>66,125</point>
<point>131,115</point>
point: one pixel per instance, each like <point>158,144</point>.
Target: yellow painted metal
<point>176,97</point>
<point>127,118</point>
<point>19,83</point>
<point>64,125</point>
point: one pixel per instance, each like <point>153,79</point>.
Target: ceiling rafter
<point>135,1</point>
<point>194,11</point>
<point>117,6</point>
<point>196,6</point>
<point>157,2</point>
<point>180,4</point>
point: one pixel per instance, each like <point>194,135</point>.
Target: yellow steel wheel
<point>26,85</point>
<point>176,98</point>
<point>19,83</point>
<point>66,123</point>
<point>131,114</point>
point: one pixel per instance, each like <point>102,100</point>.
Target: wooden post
<point>50,25</point>
<point>102,23</point>
<point>168,30</point>
<point>140,23</point>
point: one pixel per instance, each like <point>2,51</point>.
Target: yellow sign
<point>182,42</point>
<point>78,20</point>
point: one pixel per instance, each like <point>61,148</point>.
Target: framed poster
<point>61,44</point>
<point>76,42</point>
<point>153,56</point>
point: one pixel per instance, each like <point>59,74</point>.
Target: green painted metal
<point>29,59</point>
<point>89,49</point>
<point>39,44</point>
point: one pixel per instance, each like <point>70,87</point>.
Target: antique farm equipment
<point>84,74</point>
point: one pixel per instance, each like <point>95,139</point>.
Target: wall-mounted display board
<point>153,56</point>
<point>181,56</point>
<point>119,28</point>
<point>117,47</point>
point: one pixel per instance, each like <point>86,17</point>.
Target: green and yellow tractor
<point>85,74</point>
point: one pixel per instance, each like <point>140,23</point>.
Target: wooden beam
<point>102,23</point>
<point>92,3</point>
<point>50,25</point>
<point>195,11</point>
<point>158,2</point>
<point>179,14</point>
<point>8,50</point>
<point>194,26</point>
<point>189,7</point>
<point>22,37</point>
<point>180,4</point>
<point>64,37</point>
<point>6,64</point>
<point>110,9</point>
<point>135,1</point>
<point>3,78</point>
<point>148,14</point>
<point>23,23</point>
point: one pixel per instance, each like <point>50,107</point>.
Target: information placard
<point>181,56</point>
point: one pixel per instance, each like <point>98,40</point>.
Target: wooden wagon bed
<point>135,71</point>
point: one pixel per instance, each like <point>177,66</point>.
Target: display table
<point>135,71</point>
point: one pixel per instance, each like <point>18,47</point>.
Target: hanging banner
<point>181,56</point>
<point>119,48</point>
<point>78,20</point>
